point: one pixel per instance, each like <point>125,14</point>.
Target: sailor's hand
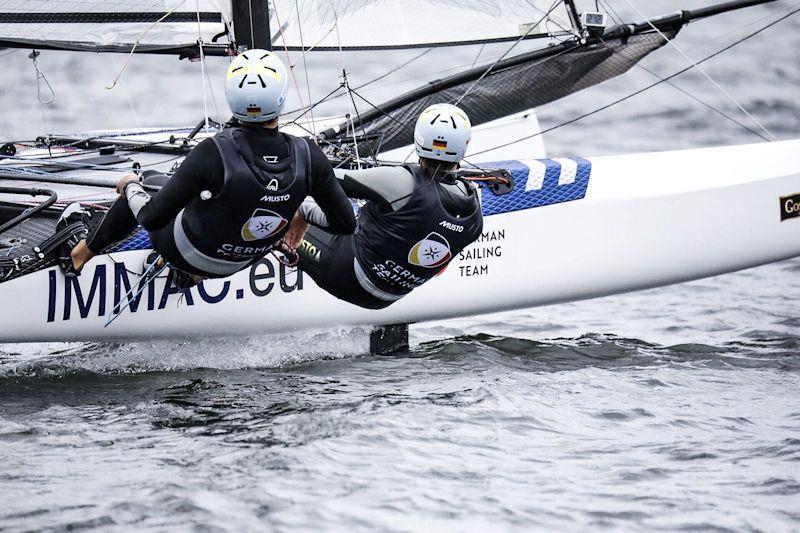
<point>297,230</point>
<point>124,180</point>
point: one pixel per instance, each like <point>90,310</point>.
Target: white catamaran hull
<point>640,221</point>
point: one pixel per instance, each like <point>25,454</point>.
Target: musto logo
<point>431,252</point>
<point>262,225</point>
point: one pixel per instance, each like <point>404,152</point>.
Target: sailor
<point>233,196</point>
<point>417,218</point>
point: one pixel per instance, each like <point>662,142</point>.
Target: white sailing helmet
<point>256,86</point>
<point>443,132</point>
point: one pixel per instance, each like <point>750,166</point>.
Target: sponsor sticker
<point>431,252</point>
<point>263,224</point>
<point>790,206</point>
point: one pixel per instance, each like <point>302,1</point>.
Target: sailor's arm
<point>201,170</point>
<point>389,187</point>
<point>330,209</point>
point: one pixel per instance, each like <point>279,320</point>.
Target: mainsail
<point>396,24</point>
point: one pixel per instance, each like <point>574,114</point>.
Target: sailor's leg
<point>118,223</point>
<point>164,243</point>
<point>329,260</point>
<point>314,251</point>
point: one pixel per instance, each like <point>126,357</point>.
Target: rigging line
<point>295,119</point>
<point>705,74</point>
<point>40,77</point>
<point>406,126</point>
<point>571,30</point>
<point>286,53</point>
<point>136,43</point>
<point>521,37</point>
<point>614,15</point>
<point>363,130</point>
<point>345,82</point>
<point>305,68</point>
<point>646,88</point>
<point>687,93</point>
<point>202,65</point>
<point>382,76</point>
<point>477,56</point>
<point>213,96</point>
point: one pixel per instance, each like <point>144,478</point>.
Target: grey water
<point>670,409</point>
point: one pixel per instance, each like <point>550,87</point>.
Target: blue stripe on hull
<point>549,193</point>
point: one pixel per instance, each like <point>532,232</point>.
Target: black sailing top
<point>400,249</point>
<point>254,187</point>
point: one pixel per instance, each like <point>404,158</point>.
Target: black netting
<point>17,256</point>
<point>519,87</point>
<point>107,17</point>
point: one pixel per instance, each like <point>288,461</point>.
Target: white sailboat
<point>556,230</point>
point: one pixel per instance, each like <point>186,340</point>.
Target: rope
<point>382,76</point>
<point>346,83</point>
<point>705,74</point>
<point>305,68</point>
<point>644,89</point>
<point>286,53</point>
<point>202,65</point>
<point>136,43</point>
<point>687,93</point>
<point>40,77</point>
<point>510,48</point>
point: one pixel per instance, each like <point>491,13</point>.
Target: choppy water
<point>671,409</point>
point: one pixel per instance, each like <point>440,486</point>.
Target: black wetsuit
<point>408,231</point>
<point>255,156</point>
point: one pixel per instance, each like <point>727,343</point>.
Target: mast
<point>251,24</point>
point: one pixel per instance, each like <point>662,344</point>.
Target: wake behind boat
<point>555,230</point>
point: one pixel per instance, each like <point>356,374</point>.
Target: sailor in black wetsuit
<point>416,220</point>
<point>232,198</point>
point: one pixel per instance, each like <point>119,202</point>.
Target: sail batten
<point>112,25</point>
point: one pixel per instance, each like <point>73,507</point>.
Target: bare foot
<point>80,255</point>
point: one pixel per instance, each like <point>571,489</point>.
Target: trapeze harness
<point>392,253</point>
<point>225,233</point>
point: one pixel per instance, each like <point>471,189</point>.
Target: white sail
<point>113,22</point>
<point>410,23</point>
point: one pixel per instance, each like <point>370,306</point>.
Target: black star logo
<point>265,225</point>
<point>431,253</point>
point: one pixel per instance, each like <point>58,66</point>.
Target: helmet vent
<point>241,83</point>
<point>264,85</point>
<point>453,121</point>
<point>435,118</point>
